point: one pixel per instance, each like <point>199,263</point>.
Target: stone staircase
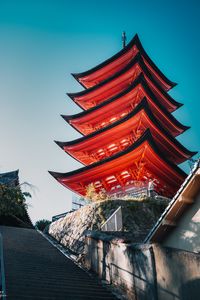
<point>34,269</point>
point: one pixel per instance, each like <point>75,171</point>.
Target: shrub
<point>93,195</point>
<point>42,224</point>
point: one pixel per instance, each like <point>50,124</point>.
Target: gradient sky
<point>43,41</point>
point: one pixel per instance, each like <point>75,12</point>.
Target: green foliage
<point>12,201</point>
<point>42,224</point>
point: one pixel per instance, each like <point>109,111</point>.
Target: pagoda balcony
<point>143,160</point>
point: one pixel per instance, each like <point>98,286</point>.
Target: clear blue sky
<point>43,41</point>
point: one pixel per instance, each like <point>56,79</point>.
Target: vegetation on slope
<point>13,206</point>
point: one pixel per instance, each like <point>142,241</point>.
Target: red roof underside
<point>110,89</point>
<point>117,65</point>
<point>120,137</point>
<point>119,108</point>
<point>107,71</point>
<point>140,164</point>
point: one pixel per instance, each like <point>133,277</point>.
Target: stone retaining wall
<point>138,218</point>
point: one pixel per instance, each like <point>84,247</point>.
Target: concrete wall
<point>187,232</point>
<point>145,271</point>
<point>178,274</point>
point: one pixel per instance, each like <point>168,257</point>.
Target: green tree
<point>13,201</point>
<point>42,224</point>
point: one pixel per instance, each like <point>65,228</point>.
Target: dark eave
<point>137,59</point>
<point>143,105</point>
<point>139,80</point>
<point>9,177</point>
<point>147,136</point>
<point>135,41</point>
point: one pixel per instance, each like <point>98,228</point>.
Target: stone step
<point>59,293</point>
<point>55,285</point>
<point>37,270</point>
<point>66,297</point>
<point>52,282</point>
<point>69,288</point>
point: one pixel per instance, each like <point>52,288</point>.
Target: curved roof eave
<point>135,41</point>
<point>14,173</point>
<point>147,136</point>
<point>10,177</point>
<point>142,105</point>
<point>139,80</point>
<point>137,59</point>
<point>107,61</point>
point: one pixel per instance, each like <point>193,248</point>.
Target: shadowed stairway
<point>34,269</point>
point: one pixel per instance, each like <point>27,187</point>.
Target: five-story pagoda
<point>128,130</point>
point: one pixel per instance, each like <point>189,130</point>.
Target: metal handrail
<point>118,227</point>
<point>56,217</point>
<point>2,272</point>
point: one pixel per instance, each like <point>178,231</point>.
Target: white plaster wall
<point>186,235</point>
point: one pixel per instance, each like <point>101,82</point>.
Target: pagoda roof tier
<point>141,161</point>
<point>10,178</point>
<point>121,134</point>
<point>120,81</point>
<point>118,62</point>
<point>120,105</point>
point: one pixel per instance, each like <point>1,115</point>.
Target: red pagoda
<point>128,131</point>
